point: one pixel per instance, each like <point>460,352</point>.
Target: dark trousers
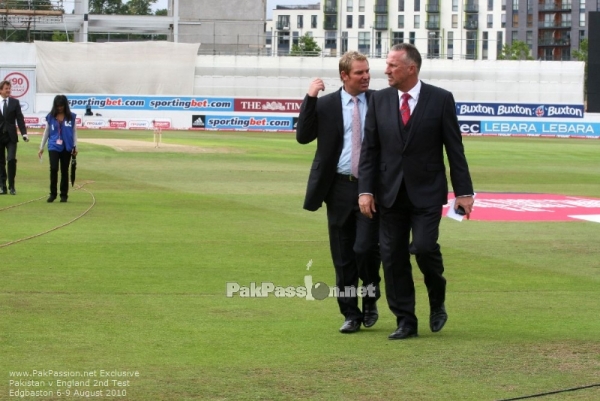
<point>397,223</point>
<point>354,244</point>
<point>8,153</point>
<point>64,158</point>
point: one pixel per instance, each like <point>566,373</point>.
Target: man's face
<point>402,73</point>
<point>5,91</point>
<point>357,81</point>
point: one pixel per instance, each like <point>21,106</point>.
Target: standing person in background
<point>11,112</point>
<point>403,176</point>
<point>61,135</point>
<point>336,122</point>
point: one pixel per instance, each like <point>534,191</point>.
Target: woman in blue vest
<point>61,135</point>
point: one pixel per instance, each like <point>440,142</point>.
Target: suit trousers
<point>397,224</point>
<point>64,157</point>
<point>354,244</point>
<point>8,152</point>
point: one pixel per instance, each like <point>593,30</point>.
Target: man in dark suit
<point>336,122</point>
<point>11,113</point>
<point>402,172</point>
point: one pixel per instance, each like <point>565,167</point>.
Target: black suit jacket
<point>386,159</point>
<point>13,114</point>
<point>322,119</point>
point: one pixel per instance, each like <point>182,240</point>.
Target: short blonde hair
<point>347,59</point>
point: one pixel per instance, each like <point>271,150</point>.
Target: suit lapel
<point>418,112</point>
<point>393,109</point>
<point>337,111</point>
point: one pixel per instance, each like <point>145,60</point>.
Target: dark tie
<point>356,138</point>
<point>4,108</point>
<point>405,109</point>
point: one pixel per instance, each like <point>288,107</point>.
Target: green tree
<point>517,50</point>
<point>306,47</point>
<point>62,37</point>
<point>582,55</point>
<point>140,7</point>
<point>107,7</point>
<point>164,12</point>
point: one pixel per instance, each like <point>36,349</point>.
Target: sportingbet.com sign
<point>519,110</point>
<point>147,103</point>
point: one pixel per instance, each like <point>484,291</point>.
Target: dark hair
<point>412,53</point>
<point>61,100</point>
<point>4,83</point>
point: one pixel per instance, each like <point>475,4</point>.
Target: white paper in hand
<point>452,213</point>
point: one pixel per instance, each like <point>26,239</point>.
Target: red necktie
<point>356,138</point>
<point>405,109</point>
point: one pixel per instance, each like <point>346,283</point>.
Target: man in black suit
<point>402,171</point>
<point>336,122</point>
<point>11,112</point>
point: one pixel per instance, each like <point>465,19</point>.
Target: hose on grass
<point>551,392</point>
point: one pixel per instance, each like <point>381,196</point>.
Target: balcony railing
<point>471,25</point>
<point>555,24</point>
<point>555,6</point>
<point>432,25</point>
<point>283,26</point>
<point>471,8</point>
<point>379,25</point>
<point>432,8</point>
<point>330,9</point>
<point>380,9</point>
<point>330,25</point>
<point>554,42</point>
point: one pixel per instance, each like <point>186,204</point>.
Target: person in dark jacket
<point>61,136</point>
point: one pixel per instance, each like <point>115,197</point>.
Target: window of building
<point>514,36</point>
<point>450,48</point>
<point>381,21</point>
<point>364,42</point>
<point>529,39</point>
<point>411,38</point>
<point>454,5</point>
<point>582,6</point>
<point>515,5</point>
<point>484,45</point>
<point>417,21</point>
<point>417,5</point>
<point>490,5</point>
<point>515,20</point>
<point>397,37</point>
<point>503,21</point>
<point>313,21</point>
<point>361,22</point>
<point>361,6</point>
<point>299,21</point>
<point>349,6</point>
<point>490,20</point>
<point>401,22</point>
<point>283,22</point>
<point>348,21</point>
<point>401,5</point>
<point>582,20</point>
<point>503,5</point>
<point>471,53</point>
<point>454,21</point>
<point>330,40</point>
<point>529,20</point>
<point>499,43</point>
<point>295,36</point>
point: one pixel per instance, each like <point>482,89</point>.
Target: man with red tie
<point>336,122</point>
<point>403,177</point>
<point>11,113</point>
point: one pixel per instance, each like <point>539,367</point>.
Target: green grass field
<point>138,283</point>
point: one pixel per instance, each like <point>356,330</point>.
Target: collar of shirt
<point>347,98</point>
<point>414,96</point>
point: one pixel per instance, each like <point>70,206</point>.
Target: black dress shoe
<point>63,199</point>
<point>370,314</point>
<point>51,198</point>
<point>3,191</point>
<point>437,318</point>
<point>403,332</point>
<point>12,191</point>
<point>350,326</point>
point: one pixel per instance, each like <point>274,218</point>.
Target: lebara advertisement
<point>567,129</point>
<point>519,110</point>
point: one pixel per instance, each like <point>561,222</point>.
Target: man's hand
<point>26,137</point>
<point>467,203</point>
<point>315,86</point>
<point>366,203</point>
